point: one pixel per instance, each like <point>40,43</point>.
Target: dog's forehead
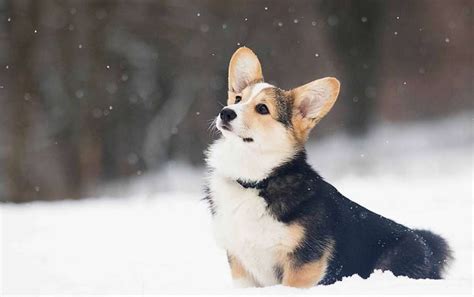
<point>258,87</point>
<point>253,90</point>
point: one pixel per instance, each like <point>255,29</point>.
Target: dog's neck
<point>236,160</point>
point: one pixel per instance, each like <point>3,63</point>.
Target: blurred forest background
<point>94,91</point>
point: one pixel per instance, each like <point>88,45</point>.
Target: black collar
<point>253,184</point>
<point>298,160</point>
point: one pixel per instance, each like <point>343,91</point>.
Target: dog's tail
<point>439,254</point>
<point>420,254</point>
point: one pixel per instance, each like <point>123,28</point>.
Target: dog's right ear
<point>312,102</point>
<point>244,69</point>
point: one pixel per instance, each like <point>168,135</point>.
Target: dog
<point>277,219</point>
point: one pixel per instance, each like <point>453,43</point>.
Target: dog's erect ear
<point>244,69</point>
<point>312,102</point>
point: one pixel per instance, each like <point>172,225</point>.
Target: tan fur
<point>308,274</point>
<point>254,119</point>
<point>240,78</point>
<point>236,269</point>
<point>296,234</point>
<point>302,127</point>
<point>303,124</point>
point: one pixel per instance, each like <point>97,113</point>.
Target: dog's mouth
<point>226,127</point>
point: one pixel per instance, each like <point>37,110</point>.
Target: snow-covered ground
<point>153,235</point>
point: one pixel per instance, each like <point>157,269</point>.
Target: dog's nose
<point>227,115</point>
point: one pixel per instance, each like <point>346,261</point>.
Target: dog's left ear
<point>312,102</point>
<point>244,69</point>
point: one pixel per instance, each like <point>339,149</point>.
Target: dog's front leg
<point>304,276</point>
<point>240,276</point>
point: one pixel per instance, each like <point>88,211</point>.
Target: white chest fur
<point>245,229</point>
<point>242,224</point>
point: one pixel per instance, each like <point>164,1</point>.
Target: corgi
<point>279,221</point>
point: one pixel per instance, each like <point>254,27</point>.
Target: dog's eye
<point>238,99</point>
<point>262,109</point>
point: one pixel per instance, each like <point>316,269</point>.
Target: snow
<point>153,235</point>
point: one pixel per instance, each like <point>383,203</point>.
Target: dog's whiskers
<point>212,127</point>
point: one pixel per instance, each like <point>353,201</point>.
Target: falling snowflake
<point>79,93</point>
<point>97,113</point>
<point>333,20</point>
<point>111,87</point>
<point>204,28</point>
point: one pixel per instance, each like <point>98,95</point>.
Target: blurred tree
<point>357,31</point>
<point>20,92</point>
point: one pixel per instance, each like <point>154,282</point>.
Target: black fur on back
<point>362,240</point>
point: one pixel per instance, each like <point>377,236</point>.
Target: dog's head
<point>261,115</point>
